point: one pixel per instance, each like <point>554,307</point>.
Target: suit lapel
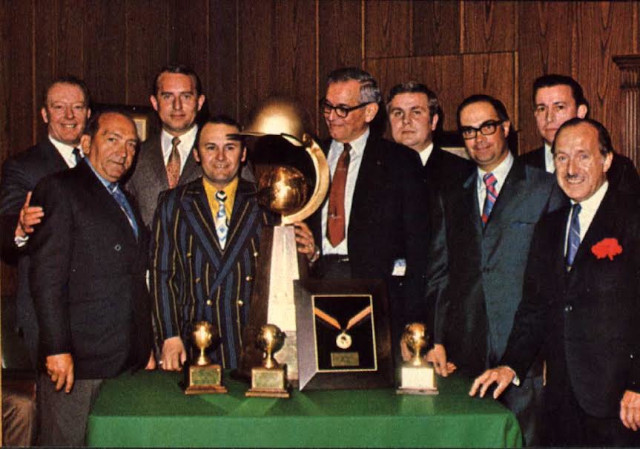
<point>371,170</point>
<point>511,195</point>
<point>601,227</point>
<point>469,203</point>
<point>106,200</point>
<point>189,170</point>
<point>52,156</point>
<point>156,163</point>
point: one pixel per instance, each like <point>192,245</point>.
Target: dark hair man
<point>483,228</point>
<point>556,99</point>
<point>204,272</point>
<point>87,277</point>
<point>166,159</point>
<point>580,302</point>
<point>373,220</point>
<point>65,110</point>
<point>413,114</point>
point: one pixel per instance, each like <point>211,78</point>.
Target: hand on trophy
<point>173,354</point>
<point>304,239</point>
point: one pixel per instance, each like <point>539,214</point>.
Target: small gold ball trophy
<point>270,379</point>
<point>203,376</point>
<point>416,376</point>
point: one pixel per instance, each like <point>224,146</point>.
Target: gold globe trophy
<point>203,376</point>
<point>281,141</point>
<point>269,380</point>
<point>416,376</point>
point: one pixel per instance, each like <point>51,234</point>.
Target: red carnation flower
<point>608,247</point>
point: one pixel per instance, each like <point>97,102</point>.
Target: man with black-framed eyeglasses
<point>484,227</point>
<point>373,223</point>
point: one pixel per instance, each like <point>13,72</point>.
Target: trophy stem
<point>416,360</point>
<point>203,360</point>
<point>270,362</point>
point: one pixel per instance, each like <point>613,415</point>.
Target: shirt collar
<point>548,159</point>
<point>65,150</point>
<point>187,138</point>
<point>593,202</point>
<point>500,172</point>
<point>108,184</point>
<point>357,145</point>
<point>426,153</point>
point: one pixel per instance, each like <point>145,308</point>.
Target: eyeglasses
<point>486,129</point>
<point>341,111</point>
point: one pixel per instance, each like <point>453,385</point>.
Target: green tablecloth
<point>149,409</point>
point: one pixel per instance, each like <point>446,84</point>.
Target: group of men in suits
<point>451,237</point>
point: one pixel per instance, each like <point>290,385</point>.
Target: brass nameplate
<point>268,382</point>
<point>341,359</point>
<point>204,379</point>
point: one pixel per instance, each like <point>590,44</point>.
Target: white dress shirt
<point>500,172</point>
<point>585,217</point>
<point>357,150</point>
<point>426,153</point>
<point>66,151</point>
<point>187,141</point>
<point>548,159</point>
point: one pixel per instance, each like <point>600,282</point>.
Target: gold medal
<point>343,340</point>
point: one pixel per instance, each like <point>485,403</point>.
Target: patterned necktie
<point>124,205</point>
<point>221,219</point>
<point>336,215</point>
<point>490,182</point>
<point>173,164</point>
<point>573,240</point>
<point>77,156</point>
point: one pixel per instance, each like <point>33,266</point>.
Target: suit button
<point>209,302</point>
<point>249,278</point>
<point>256,254</point>
<point>118,247</point>
<point>568,308</point>
<point>630,356</point>
<point>240,302</point>
<point>197,280</point>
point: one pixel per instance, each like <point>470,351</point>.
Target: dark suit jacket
<point>388,218</point>
<point>444,169</point>
<point>87,277</point>
<point>586,319</point>
<point>149,176</point>
<point>192,278</point>
<point>475,275</point>
<point>20,174</point>
<point>622,175</point>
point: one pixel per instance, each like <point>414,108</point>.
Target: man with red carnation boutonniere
<point>581,302</point>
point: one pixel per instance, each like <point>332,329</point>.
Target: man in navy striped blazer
<point>204,249</point>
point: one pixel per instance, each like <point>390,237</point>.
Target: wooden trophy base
<point>268,383</point>
<point>418,380</point>
<point>204,380</point>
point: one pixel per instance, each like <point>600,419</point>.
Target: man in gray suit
<point>483,228</point>
<point>166,160</point>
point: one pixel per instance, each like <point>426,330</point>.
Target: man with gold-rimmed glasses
<point>373,223</point>
<point>484,226</point>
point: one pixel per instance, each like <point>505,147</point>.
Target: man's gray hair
<point>369,90</point>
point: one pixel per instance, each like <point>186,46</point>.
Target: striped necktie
<point>490,182</point>
<point>221,219</point>
<point>573,240</point>
<point>124,205</point>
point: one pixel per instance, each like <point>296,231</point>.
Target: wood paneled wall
<point>247,50</point>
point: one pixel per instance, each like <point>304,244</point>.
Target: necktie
<point>221,219</point>
<point>77,156</point>
<point>173,164</point>
<point>573,240</point>
<point>336,216</point>
<point>124,205</point>
<point>490,182</point>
